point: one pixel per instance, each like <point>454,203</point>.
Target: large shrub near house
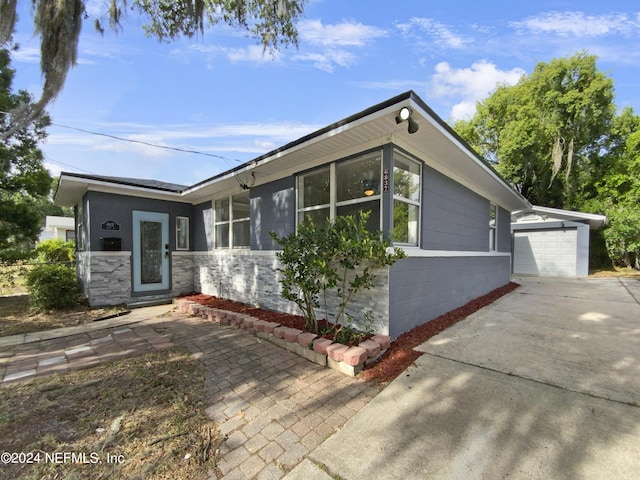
<point>341,255</point>
<point>52,286</point>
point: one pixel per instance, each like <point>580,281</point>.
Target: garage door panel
<point>545,252</point>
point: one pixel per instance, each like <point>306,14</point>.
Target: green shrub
<point>341,254</point>
<point>52,286</point>
<point>56,251</point>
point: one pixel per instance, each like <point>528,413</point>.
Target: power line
<point>140,142</point>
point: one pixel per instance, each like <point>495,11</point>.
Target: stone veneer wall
<point>182,273</point>
<point>252,277</point>
<point>106,277</point>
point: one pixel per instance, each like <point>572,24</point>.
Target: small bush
<point>52,286</point>
<point>56,251</point>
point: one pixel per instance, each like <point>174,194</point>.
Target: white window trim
<point>333,191</point>
<point>400,198</point>
<point>178,247</point>
<point>229,222</point>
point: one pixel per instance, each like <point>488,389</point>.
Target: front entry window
<point>151,244</point>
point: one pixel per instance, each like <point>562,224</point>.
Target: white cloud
<point>54,170</point>
<point>329,46</point>
<point>347,33</point>
<point>578,24</point>
<point>26,55</point>
<point>253,138</point>
<point>470,84</point>
<point>439,34</point>
<point>252,54</point>
<point>327,60</point>
<point>402,85</point>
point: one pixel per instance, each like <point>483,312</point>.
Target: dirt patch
<point>615,272</point>
<point>134,418</point>
<point>16,317</point>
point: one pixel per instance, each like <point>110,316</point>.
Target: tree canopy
<point>59,23</point>
<point>546,131</point>
<point>556,137</point>
<point>24,182</point>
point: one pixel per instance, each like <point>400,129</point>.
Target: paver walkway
<point>273,406</point>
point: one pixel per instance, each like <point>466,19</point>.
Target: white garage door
<point>545,252</point>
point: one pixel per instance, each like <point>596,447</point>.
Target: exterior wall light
<point>405,115</point>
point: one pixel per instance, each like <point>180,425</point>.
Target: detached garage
<point>552,242</point>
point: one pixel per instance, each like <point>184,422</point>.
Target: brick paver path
<point>73,352</point>
<point>273,406</point>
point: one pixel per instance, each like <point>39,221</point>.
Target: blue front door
<point>150,251</point>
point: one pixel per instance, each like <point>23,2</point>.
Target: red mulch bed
<point>398,357</point>
<point>401,353</point>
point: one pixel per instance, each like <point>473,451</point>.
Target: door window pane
<point>151,252</point>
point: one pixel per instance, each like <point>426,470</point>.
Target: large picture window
<point>232,221</point>
<point>406,200</point>
<point>342,188</point>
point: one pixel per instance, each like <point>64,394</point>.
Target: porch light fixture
<point>405,115</point>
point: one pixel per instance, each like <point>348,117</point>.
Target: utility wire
<point>141,142</point>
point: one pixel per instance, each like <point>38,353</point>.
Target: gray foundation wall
<point>252,277</point>
<point>423,288</point>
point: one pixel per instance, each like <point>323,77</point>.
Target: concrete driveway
<point>543,384</point>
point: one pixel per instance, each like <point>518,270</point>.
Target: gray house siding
<point>106,206</point>
<point>273,208</point>
<point>453,217</point>
<point>202,227</point>
<point>423,288</point>
<point>504,230</point>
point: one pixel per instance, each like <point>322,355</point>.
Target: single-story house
<point>144,240</point>
<point>58,228</point>
<point>552,242</point>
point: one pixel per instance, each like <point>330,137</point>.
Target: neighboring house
<point>553,242</point>
<point>58,228</point>
<point>141,240</point>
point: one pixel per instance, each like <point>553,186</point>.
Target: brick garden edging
<point>347,360</point>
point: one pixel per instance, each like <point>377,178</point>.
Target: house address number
<point>110,225</point>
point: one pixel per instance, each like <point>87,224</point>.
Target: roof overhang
<point>435,143</point>
<point>72,187</point>
<point>595,220</point>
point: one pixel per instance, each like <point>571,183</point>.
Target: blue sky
<point>220,95</point>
